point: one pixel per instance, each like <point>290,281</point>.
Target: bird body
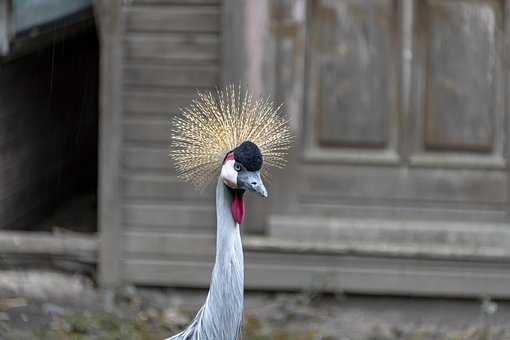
<point>221,315</point>
<point>225,131</point>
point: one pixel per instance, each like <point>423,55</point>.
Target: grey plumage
<point>221,315</point>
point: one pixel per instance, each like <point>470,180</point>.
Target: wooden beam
<point>200,246</point>
<point>109,16</point>
<point>176,2</point>
<point>281,266</point>
<point>233,58</point>
<point>165,19</point>
<point>203,76</point>
<point>173,48</point>
<point>71,246</point>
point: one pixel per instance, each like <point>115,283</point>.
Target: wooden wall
<point>169,50</point>
<point>336,219</point>
<point>48,128</point>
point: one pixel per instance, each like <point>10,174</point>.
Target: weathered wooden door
<point>403,117</point>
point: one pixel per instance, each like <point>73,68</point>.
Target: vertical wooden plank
<point>254,39</point>
<point>270,59</point>
<point>260,45</point>
<point>232,30</point>
<point>505,100</point>
<point>109,18</point>
<point>289,25</point>
<point>259,74</point>
<point>238,65</point>
<point>407,18</point>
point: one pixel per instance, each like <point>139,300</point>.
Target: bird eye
<point>237,167</point>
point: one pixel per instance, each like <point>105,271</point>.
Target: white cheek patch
<point>229,174</point>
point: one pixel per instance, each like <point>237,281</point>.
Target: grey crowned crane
<point>228,134</point>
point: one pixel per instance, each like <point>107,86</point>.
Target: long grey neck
<point>223,310</point>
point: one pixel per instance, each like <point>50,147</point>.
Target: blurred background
<point>390,221</point>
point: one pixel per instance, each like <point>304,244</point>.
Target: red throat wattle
<point>238,206</point>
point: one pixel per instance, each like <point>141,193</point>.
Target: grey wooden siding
<point>380,195</point>
<point>170,49</point>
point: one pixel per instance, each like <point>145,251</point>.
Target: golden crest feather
<point>216,123</point>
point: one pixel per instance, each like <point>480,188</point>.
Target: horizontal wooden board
<point>415,184</point>
<point>143,102</point>
<point>74,246</point>
<point>137,158</point>
<point>469,235</point>
<point>161,187</point>
<point>344,274</point>
<point>198,215</point>
<point>411,211</point>
<point>145,130</point>
<point>452,160</point>
<point>173,229</point>
<point>162,245</point>
<point>170,244</point>
<point>172,76</point>
<point>175,2</point>
<point>172,48</point>
<point>173,19</point>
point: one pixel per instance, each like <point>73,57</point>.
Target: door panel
<point>353,82</point>
<point>459,111</point>
<point>462,60</point>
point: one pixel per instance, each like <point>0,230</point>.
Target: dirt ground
<point>50,305</point>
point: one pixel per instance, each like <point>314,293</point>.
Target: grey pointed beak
<point>260,189</point>
<point>250,180</point>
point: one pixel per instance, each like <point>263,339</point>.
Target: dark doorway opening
<point>49,137</point>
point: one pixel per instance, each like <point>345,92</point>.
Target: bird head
<point>231,131</point>
<point>241,169</point>
<point>241,172</point>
